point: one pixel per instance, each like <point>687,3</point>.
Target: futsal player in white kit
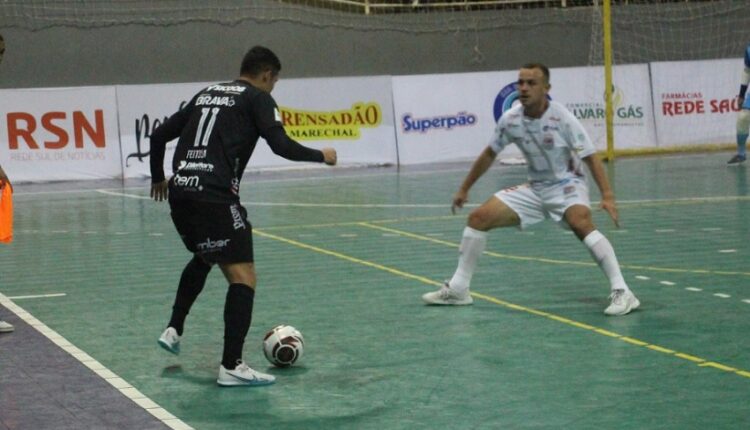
<point>743,119</point>
<point>554,143</point>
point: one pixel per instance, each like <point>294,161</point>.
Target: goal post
<point>691,57</point>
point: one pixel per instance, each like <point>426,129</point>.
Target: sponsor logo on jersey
<point>331,125</point>
<point>227,88</point>
<point>441,122</point>
<point>548,142</point>
<point>212,245</point>
<point>209,100</point>
<point>190,183</point>
<point>195,166</point>
<point>193,154</point>
<point>238,223</point>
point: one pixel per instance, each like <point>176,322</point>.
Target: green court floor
<point>345,254</point>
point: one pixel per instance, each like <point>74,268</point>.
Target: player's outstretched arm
<point>286,147</point>
<point>482,163</point>
<point>608,197</point>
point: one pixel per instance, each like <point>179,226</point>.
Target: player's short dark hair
<point>259,59</point>
<point>540,66</point>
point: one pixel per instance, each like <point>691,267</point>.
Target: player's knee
<point>479,220</point>
<point>240,273</point>
<point>580,222</point>
<point>743,121</point>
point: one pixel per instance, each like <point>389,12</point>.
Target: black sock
<point>238,313</point>
<point>191,284</point>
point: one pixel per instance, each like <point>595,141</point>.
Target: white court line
<point>693,289</point>
<point>131,196</point>
<point>307,205</point>
<point>120,384</point>
<point>250,174</point>
<point>642,278</point>
<point>666,283</point>
<point>37,296</point>
<point>727,251</point>
<point>114,191</point>
<point>746,301</point>
<point>722,295</point>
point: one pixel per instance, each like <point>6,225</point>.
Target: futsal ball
<point>283,345</point>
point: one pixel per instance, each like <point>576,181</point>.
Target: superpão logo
<point>445,122</point>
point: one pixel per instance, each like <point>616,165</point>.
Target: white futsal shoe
<point>6,327</point>
<point>447,296</point>
<point>170,340</point>
<point>622,302</point>
<point>242,375</point>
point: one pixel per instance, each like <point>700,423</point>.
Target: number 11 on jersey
<point>204,131</point>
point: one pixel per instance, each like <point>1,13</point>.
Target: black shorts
<point>216,232</point>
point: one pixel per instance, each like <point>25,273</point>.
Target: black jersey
<point>217,133</point>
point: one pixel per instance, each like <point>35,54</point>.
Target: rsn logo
<point>22,126</point>
<point>212,245</point>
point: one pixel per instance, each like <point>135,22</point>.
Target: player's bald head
<point>538,66</point>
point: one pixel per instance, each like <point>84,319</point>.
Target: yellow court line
<point>349,223</point>
<point>691,358</point>
<point>550,260</point>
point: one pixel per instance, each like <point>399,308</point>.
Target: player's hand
<point>329,156</point>
<point>160,191</point>
<point>459,199</point>
<point>608,204</point>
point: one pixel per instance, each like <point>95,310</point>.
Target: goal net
<point>689,57</point>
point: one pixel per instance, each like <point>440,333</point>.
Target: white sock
<point>604,255</point>
<point>472,247</point>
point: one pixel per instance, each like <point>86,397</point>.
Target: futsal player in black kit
<point>217,132</point>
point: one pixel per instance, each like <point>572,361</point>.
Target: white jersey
<point>553,145</point>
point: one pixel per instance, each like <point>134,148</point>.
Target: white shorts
<point>536,202</point>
